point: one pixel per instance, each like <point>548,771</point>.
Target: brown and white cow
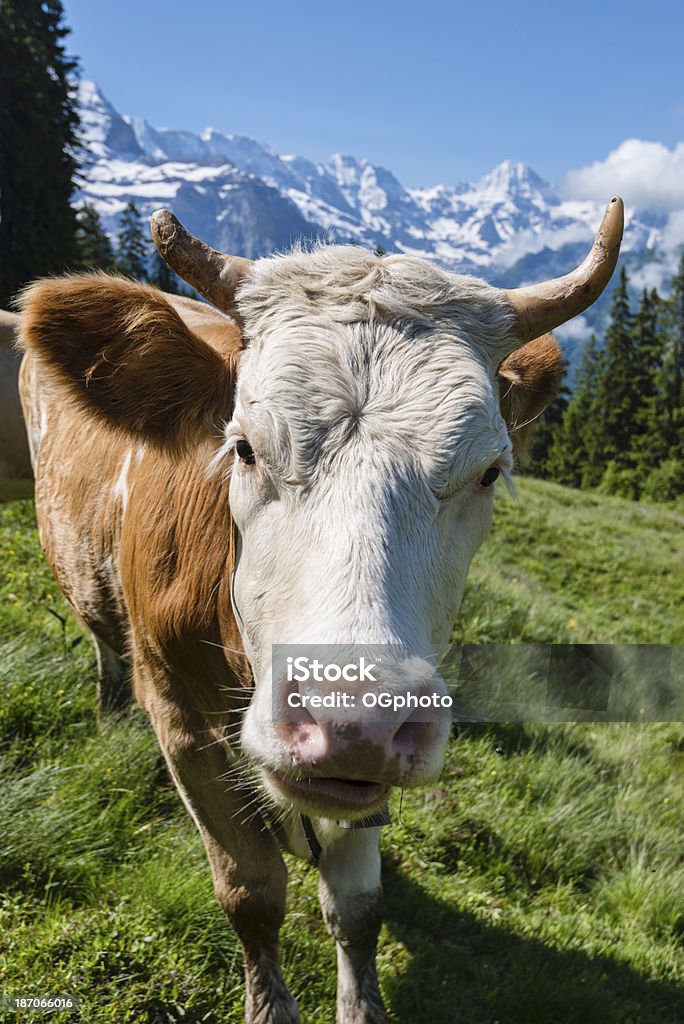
<point>16,474</point>
<point>318,468</point>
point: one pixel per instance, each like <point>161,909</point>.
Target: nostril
<point>406,739</point>
<point>412,739</point>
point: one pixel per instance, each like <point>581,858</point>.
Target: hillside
<point>539,881</point>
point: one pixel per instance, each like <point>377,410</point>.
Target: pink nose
<point>369,750</point>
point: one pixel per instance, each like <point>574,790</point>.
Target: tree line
<point>39,126</point>
<point>41,163</point>
<point>622,428</point>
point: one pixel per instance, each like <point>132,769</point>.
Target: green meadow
<point>540,881</point>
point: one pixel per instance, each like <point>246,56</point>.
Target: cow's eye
<point>245,452</point>
<point>490,476</point>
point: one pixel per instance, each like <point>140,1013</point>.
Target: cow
<point>16,473</point>
<point>312,464</point>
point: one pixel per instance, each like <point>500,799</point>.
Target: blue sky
<point>437,92</point>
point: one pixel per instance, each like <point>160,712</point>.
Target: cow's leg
<point>350,892</point>
<point>113,679</point>
<point>249,874</point>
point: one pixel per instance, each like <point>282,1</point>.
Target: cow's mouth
<point>329,795</point>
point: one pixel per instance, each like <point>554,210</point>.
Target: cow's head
<point>377,401</point>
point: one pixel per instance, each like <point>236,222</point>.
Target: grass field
<point>540,882</point>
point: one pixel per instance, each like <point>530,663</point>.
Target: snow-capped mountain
<point>237,194</point>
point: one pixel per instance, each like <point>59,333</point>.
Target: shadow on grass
<point>463,971</point>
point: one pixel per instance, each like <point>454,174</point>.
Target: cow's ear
<point>529,379</point>
<point>119,350</point>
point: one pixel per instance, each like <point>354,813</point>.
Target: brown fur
<point>529,379</point>
<point>155,582</point>
<point>143,370</point>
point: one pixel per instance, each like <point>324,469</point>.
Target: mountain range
<point>511,227</point>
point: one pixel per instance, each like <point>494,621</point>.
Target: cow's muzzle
<point>346,766</point>
<point>327,796</point>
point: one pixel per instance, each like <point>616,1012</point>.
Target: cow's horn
<point>214,275</point>
<point>541,307</point>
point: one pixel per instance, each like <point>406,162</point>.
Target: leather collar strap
<point>315,847</point>
<point>377,820</point>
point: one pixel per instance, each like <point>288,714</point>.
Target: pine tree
<point>573,457</point>
<point>162,276</point>
<point>648,343</point>
<point>38,143</point>
<point>648,443</point>
<point>94,248</point>
<point>672,380</point>
<point>616,398</point>
<point>133,248</point>
<point>544,433</point>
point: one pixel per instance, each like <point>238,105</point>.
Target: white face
<point>369,491</point>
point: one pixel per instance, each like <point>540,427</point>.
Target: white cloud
<point>572,332</point>
<point>645,174</point>
<point>652,275</point>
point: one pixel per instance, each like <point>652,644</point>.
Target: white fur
<point>367,392</point>
<point>120,489</point>
<point>350,872</point>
